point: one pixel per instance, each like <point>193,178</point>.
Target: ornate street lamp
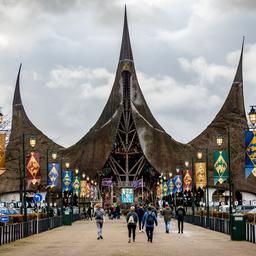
<point>252,115</point>
<point>32,141</point>
<point>83,175</point>
<point>54,155</point>
<point>219,140</point>
<point>67,164</point>
<point>186,163</point>
<point>199,154</point>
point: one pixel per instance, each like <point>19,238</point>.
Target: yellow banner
<point>200,169</point>
<point>83,190</point>
<point>2,153</point>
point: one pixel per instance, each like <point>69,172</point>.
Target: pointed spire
<point>126,50</point>
<point>17,98</point>
<point>239,72</point>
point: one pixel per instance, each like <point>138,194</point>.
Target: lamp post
<point>54,157</point>
<point>32,142</point>
<point>252,115</point>
<point>193,189</point>
<point>219,141</point>
<point>78,194</point>
<point>200,156</point>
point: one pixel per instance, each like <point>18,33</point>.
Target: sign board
<point>127,195</point>
<point>38,197</point>
<point>236,203</point>
<point>19,204</point>
<point>1,205</point>
<point>4,219</point>
<point>11,205</point>
<point>254,202</point>
<point>239,218</point>
<point>222,203</point>
<point>244,202</point>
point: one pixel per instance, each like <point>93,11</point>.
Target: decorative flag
<point>250,153</point>
<point>53,174</point>
<point>83,185</point>
<point>164,188</point>
<point>33,168</point>
<point>137,184</point>
<point>170,185</point>
<point>159,191</point>
<point>178,183</point>
<point>106,182</point>
<point>187,180</point>
<point>88,189</point>
<point>2,153</point>
<point>76,185</point>
<point>220,165</point>
<point>200,169</point>
<point>92,191</point>
<point>66,180</point>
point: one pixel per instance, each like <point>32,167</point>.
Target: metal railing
<point>250,232</point>
<point>216,224</point>
<point>12,232</point>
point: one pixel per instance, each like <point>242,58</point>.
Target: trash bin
<point>238,227</point>
<point>67,218</point>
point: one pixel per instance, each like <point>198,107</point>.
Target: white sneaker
<point>140,231</point>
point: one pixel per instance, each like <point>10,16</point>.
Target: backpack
<point>131,220</point>
<point>99,215</point>
<point>180,212</point>
<point>150,219</point>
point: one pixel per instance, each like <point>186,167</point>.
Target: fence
<point>216,224</point>
<point>13,232</point>
<point>250,232</point>
<point>221,225</point>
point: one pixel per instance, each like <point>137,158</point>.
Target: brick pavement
<point>80,239</point>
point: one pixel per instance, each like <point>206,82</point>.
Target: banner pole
<point>142,190</point>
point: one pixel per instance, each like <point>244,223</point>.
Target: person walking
<point>99,217</point>
<point>149,220</point>
<point>89,212</point>
<point>180,213</point>
<point>132,219</point>
<point>140,211</point>
<point>167,213</point>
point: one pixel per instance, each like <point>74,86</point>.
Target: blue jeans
<point>167,226</point>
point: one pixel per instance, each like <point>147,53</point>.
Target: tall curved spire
<point>239,72</point>
<point>126,49</point>
<point>17,97</point>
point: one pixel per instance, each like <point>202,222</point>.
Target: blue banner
<point>178,183</point>
<point>53,174</point>
<point>66,180</point>
<point>250,153</point>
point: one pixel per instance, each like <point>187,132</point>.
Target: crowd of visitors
<point>144,216</point>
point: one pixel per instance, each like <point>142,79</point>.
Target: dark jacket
<point>144,220</point>
<point>140,211</point>
<point>180,213</point>
<point>135,218</point>
<point>167,213</point>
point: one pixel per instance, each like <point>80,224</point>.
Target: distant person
<point>167,213</point>
<point>180,214</point>
<point>140,211</point>
<point>99,217</point>
<point>149,220</point>
<point>89,212</point>
<point>132,219</point>
<point>118,212</point>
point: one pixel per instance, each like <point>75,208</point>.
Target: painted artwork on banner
<point>53,174</point>
<point>187,180</point>
<point>250,153</point>
<point>220,165</point>
<point>66,180</point>
<point>170,187</point>
<point>200,169</point>
<point>178,183</point>
<point>159,191</point>
<point>2,153</point>
<point>164,188</point>
<point>88,190</point>
<point>33,168</point>
<point>83,185</point>
<point>76,185</point>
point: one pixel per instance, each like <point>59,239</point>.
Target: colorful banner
<point>159,191</point>
<point>250,153</point>
<point>88,190</point>
<point>83,185</point>
<point>178,183</point>
<point>66,180</point>
<point>76,185</point>
<point>106,182</point>
<point>33,168</point>
<point>187,180</point>
<point>164,188</point>
<point>200,169</point>
<point>137,184</point>
<point>220,165</point>
<point>2,153</point>
<point>53,178</point>
<point>170,185</point>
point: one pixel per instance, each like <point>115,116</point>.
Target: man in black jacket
<point>132,219</point>
<point>140,211</point>
<point>180,213</point>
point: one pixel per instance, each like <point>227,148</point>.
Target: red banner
<point>187,180</point>
<point>33,168</point>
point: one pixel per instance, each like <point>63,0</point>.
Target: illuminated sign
<point>127,195</point>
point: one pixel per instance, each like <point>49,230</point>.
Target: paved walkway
<point>80,239</point>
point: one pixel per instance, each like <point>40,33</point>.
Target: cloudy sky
<point>186,53</point>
